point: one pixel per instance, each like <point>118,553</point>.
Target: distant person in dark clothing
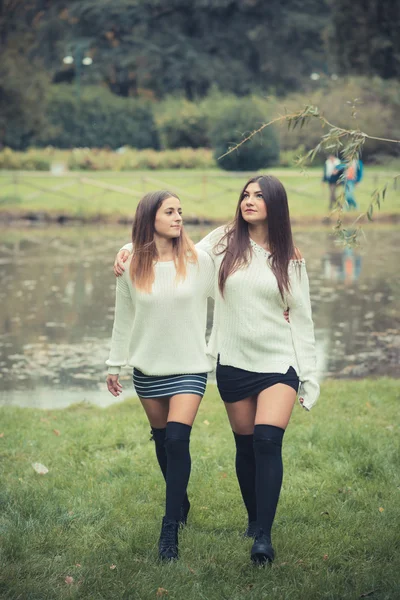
<point>332,173</point>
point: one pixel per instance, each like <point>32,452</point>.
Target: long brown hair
<point>236,241</point>
<point>144,246</point>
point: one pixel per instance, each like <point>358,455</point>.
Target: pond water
<point>57,302</point>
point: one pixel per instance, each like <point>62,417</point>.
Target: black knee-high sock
<point>246,472</point>
<point>159,440</point>
<point>269,473</point>
<point>178,467</point>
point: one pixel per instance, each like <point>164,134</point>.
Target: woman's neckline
<point>163,262</point>
<point>259,248</point>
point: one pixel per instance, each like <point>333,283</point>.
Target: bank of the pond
<point>207,196</point>
<point>22,219</point>
<point>88,528</point>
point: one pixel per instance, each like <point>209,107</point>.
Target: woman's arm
<point>208,273</point>
<point>210,240</point>
<point>302,328</point>
<point>122,329</point>
<point>207,244</point>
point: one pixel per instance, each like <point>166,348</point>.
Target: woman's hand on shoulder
<point>297,254</point>
<point>120,259</point>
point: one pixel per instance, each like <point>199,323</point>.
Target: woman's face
<point>168,221</point>
<point>252,206</point>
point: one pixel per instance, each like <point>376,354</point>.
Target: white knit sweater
<point>250,331</point>
<point>163,333</point>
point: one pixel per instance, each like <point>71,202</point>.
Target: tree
<point>366,37</point>
<point>23,81</point>
<point>150,47</point>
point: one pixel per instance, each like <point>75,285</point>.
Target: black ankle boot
<point>184,513</point>
<point>251,530</point>
<point>262,551</point>
<point>168,542</point>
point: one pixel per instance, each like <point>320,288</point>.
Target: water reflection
<point>344,266</point>
<point>57,298</point>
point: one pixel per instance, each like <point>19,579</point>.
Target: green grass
<point>211,194</point>
<point>336,533</point>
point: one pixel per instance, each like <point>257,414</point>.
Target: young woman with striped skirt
<point>263,360</point>
<point>159,329</point>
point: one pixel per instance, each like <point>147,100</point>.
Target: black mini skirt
<point>237,384</point>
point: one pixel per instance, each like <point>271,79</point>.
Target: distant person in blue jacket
<point>352,175</point>
<point>332,173</point>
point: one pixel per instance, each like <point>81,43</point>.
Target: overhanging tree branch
<point>348,141</point>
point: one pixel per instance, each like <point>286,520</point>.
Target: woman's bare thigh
<point>183,408</point>
<point>275,405</point>
<point>156,410</point>
<point>241,415</point>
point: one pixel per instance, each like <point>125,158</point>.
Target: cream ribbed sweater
<point>250,331</point>
<point>163,333</point>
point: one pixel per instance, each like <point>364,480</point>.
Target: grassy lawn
<point>211,194</point>
<point>88,529</point>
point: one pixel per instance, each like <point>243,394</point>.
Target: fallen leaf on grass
<point>113,566</point>
<point>39,468</point>
<point>206,422</point>
<point>381,509</point>
<point>325,512</point>
<point>78,565</point>
<point>368,405</point>
<point>367,594</point>
<point>161,592</point>
<point>1,435</point>
<point>69,580</point>
<point>325,557</point>
<point>224,475</point>
<point>56,431</point>
<point>191,570</point>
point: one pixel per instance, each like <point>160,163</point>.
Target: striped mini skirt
<point>159,386</point>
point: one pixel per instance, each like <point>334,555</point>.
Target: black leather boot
<point>262,551</point>
<point>168,542</point>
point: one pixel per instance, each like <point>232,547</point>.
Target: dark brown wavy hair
<point>235,244</point>
<point>144,246</point>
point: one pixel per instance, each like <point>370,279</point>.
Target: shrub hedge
<point>233,124</point>
<point>92,159</point>
<point>97,119</point>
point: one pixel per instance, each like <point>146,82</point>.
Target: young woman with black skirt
<point>263,361</point>
<point>159,329</point>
